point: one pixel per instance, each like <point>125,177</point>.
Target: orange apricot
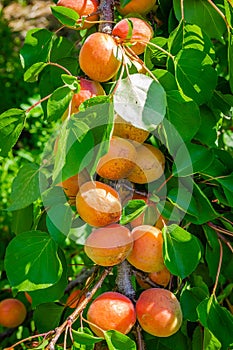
<point>74,298</point>
<point>118,161</point>
<point>137,6</point>
<point>159,312</point>
<point>98,204</point>
<point>129,131</point>
<point>149,166</point>
<point>147,252</point>
<point>111,311</point>
<point>12,313</point>
<point>161,277</point>
<point>96,57</point>
<point>141,219</point>
<point>109,245</point>
<point>134,31</point>
<point>83,8</point>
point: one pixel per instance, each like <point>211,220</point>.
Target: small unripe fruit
<point>12,313</point>
<point>98,204</point>
<point>161,277</point>
<point>111,311</point>
<point>74,298</point>
<point>159,312</point>
<point>129,131</point>
<point>134,31</point>
<point>150,165</point>
<point>83,8</point>
<point>147,252</point>
<point>96,57</point>
<point>118,162</point>
<point>137,6</point>
<point>109,245</point>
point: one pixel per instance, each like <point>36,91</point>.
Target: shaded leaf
<point>22,220</point>
<point>84,336</point>
<point>190,298</point>
<point>47,316</point>
<point>119,341</point>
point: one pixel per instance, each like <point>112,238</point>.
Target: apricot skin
<point>149,166</point>
<point>96,57</point>
<point>83,8</point>
<point>74,298</point>
<point>12,313</point>
<point>111,311</point>
<point>129,131</point>
<point>109,245</point>
<point>137,6</point>
<point>141,32</point>
<point>119,160</point>
<point>159,312</point>
<point>146,254</point>
<point>98,204</point>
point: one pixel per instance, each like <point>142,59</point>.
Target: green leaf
<point>208,122</point>
<point>210,341</point>
<point>227,184</point>
<point>36,48</point>
<point>212,251</point>
<point>59,102</point>
<point>47,316</point>
<point>202,14</point>
<point>119,341</point>
<point>218,320</point>
<point>190,298</point>
<point>141,100</point>
<point>132,210</point>
<point>230,59</point>
<point>195,75</point>
<point>198,160</point>
<point>22,220</point>
<point>32,261</point>
<point>11,126</point>
<point>124,3</point>
<point>84,336</point>
<point>33,72</point>
<point>65,15</point>
<point>71,82</point>
<point>181,251</point>
<point>27,186</point>
<point>166,79</point>
<point>153,55</point>
<point>56,291</point>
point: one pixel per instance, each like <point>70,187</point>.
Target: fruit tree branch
<point>106,16</point>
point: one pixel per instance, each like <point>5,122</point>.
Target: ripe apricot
<point>159,312</point>
<point>118,161</point>
<point>161,277</point>
<point>141,219</point>
<point>134,31</point>
<point>98,204</point>
<point>137,6</point>
<point>74,298</point>
<point>150,164</point>
<point>12,312</point>
<point>96,57</point>
<point>111,311</point>
<point>109,245</point>
<point>147,254</point>
<point>83,8</point>
<point>129,131</point>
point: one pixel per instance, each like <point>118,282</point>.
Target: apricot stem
<point>219,268</point>
<point>59,66</point>
<point>38,102</point>
<point>182,9</point>
<point>220,14</point>
<point>159,48</point>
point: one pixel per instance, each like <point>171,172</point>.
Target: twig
<point>220,14</point>
<point>85,273</point>
<point>139,339</point>
<point>219,268</point>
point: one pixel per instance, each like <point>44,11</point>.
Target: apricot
<point>150,164</point>
<point>109,245</point>
<point>12,313</point>
<point>28,297</point>
<point>129,131</point>
<point>137,6</point>
<point>161,277</point>
<point>72,184</point>
<point>140,220</point>
<point>74,298</point>
<point>118,161</point>
<point>98,204</point>
<point>83,8</point>
<point>159,312</point>
<point>111,311</point>
<point>96,57</point>
<point>134,31</point>
<point>147,254</point>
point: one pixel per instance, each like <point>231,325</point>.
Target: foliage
<point>184,98</point>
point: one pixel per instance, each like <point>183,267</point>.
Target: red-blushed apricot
<point>149,166</point>
<point>129,131</point>
<point>109,245</point>
<point>141,219</point>
<point>159,312</point>
<point>118,161</point>
<point>96,57</point>
<point>12,313</point>
<point>137,6</point>
<point>111,311</point>
<point>135,31</point>
<point>161,277</point>
<point>98,204</point>
<point>74,298</point>
<point>83,8</point>
<point>147,252</point>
